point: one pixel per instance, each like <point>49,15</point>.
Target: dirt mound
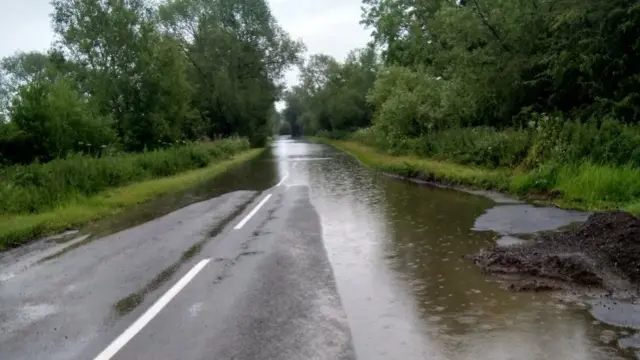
<point>607,242</point>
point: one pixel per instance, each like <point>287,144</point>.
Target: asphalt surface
<point>316,258</point>
<point>263,291</point>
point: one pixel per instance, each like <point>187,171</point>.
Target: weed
<point>34,188</point>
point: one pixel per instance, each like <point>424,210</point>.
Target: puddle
<point>396,250</point>
<point>510,241</point>
<point>522,219</point>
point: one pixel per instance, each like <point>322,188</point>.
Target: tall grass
<point>586,186</point>
<point>16,229</point>
<point>28,189</point>
<point>546,140</point>
<point>481,146</point>
<point>593,165</point>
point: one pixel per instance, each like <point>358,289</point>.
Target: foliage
<point>601,142</point>
<point>285,129</point>
<point>238,55</point>
<point>500,57</point>
<point>331,96</point>
<point>494,83</point>
<point>16,229</point>
<point>583,185</point>
<point>138,75</point>
<point>59,121</point>
<point>37,187</point>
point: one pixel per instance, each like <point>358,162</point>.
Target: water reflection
<point>258,174</point>
<point>397,248</point>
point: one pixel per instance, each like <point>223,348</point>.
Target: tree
<point>238,55</point>
<point>332,95</point>
<point>58,120</point>
<point>19,70</point>
<point>134,74</point>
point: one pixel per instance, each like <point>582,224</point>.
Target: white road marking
<point>283,180</point>
<point>310,159</point>
<point>143,320</point>
<point>253,212</point>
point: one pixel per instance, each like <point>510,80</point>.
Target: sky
<point>325,26</point>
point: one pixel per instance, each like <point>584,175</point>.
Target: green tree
<point>134,74</point>
<point>58,120</point>
<point>332,96</point>
<point>238,55</point>
<point>19,70</point>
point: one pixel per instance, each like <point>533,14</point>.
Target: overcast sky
<point>326,26</point>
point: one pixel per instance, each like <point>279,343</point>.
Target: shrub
<point>58,121</point>
<point>335,135</point>
<point>36,187</point>
<point>605,141</point>
<point>481,146</point>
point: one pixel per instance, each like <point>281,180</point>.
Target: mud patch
<point>603,252</point>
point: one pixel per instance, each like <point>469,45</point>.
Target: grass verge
<point>16,229</point>
<point>583,186</point>
<point>40,187</point>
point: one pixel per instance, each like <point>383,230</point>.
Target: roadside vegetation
<point>134,98</point>
<point>78,210</point>
<point>38,187</point>
<point>535,98</point>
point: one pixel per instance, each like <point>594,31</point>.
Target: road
<point>307,256</point>
<point>261,288</point>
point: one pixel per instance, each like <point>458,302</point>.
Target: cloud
<point>25,26</point>
<point>327,26</point>
<point>331,26</point>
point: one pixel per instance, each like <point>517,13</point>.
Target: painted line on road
<point>143,320</point>
<point>253,212</point>
<point>283,180</point>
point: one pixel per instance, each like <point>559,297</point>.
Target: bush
<point>548,139</point>
<point>16,146</point>
<point>408,104</point>
<point>605,141</point>
<point>481,146</point>
<point>36,187</point>
<point>335,135</point>
<point>372,136</point>
<point>53,120</point>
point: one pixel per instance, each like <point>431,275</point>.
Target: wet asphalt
<point>267,293</point>
<point>306,255</point>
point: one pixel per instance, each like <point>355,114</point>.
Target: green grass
<point>427,169</point>
<point>36,188</point>
<point>585,186</point>
<point>15,229</point>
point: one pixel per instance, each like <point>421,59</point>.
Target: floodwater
<point>396,249</point>
<point>258,174</point>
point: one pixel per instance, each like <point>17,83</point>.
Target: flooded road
<point>396,249</point>
<point>302,253</point>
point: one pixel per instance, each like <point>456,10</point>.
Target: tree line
<point>438,65</point>
<point>130,75</point>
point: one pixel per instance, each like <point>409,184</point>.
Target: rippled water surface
<point>396,248</point>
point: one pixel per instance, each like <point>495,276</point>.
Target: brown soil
<point>606,244</point>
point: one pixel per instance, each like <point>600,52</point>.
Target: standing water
<point>396,249</point>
